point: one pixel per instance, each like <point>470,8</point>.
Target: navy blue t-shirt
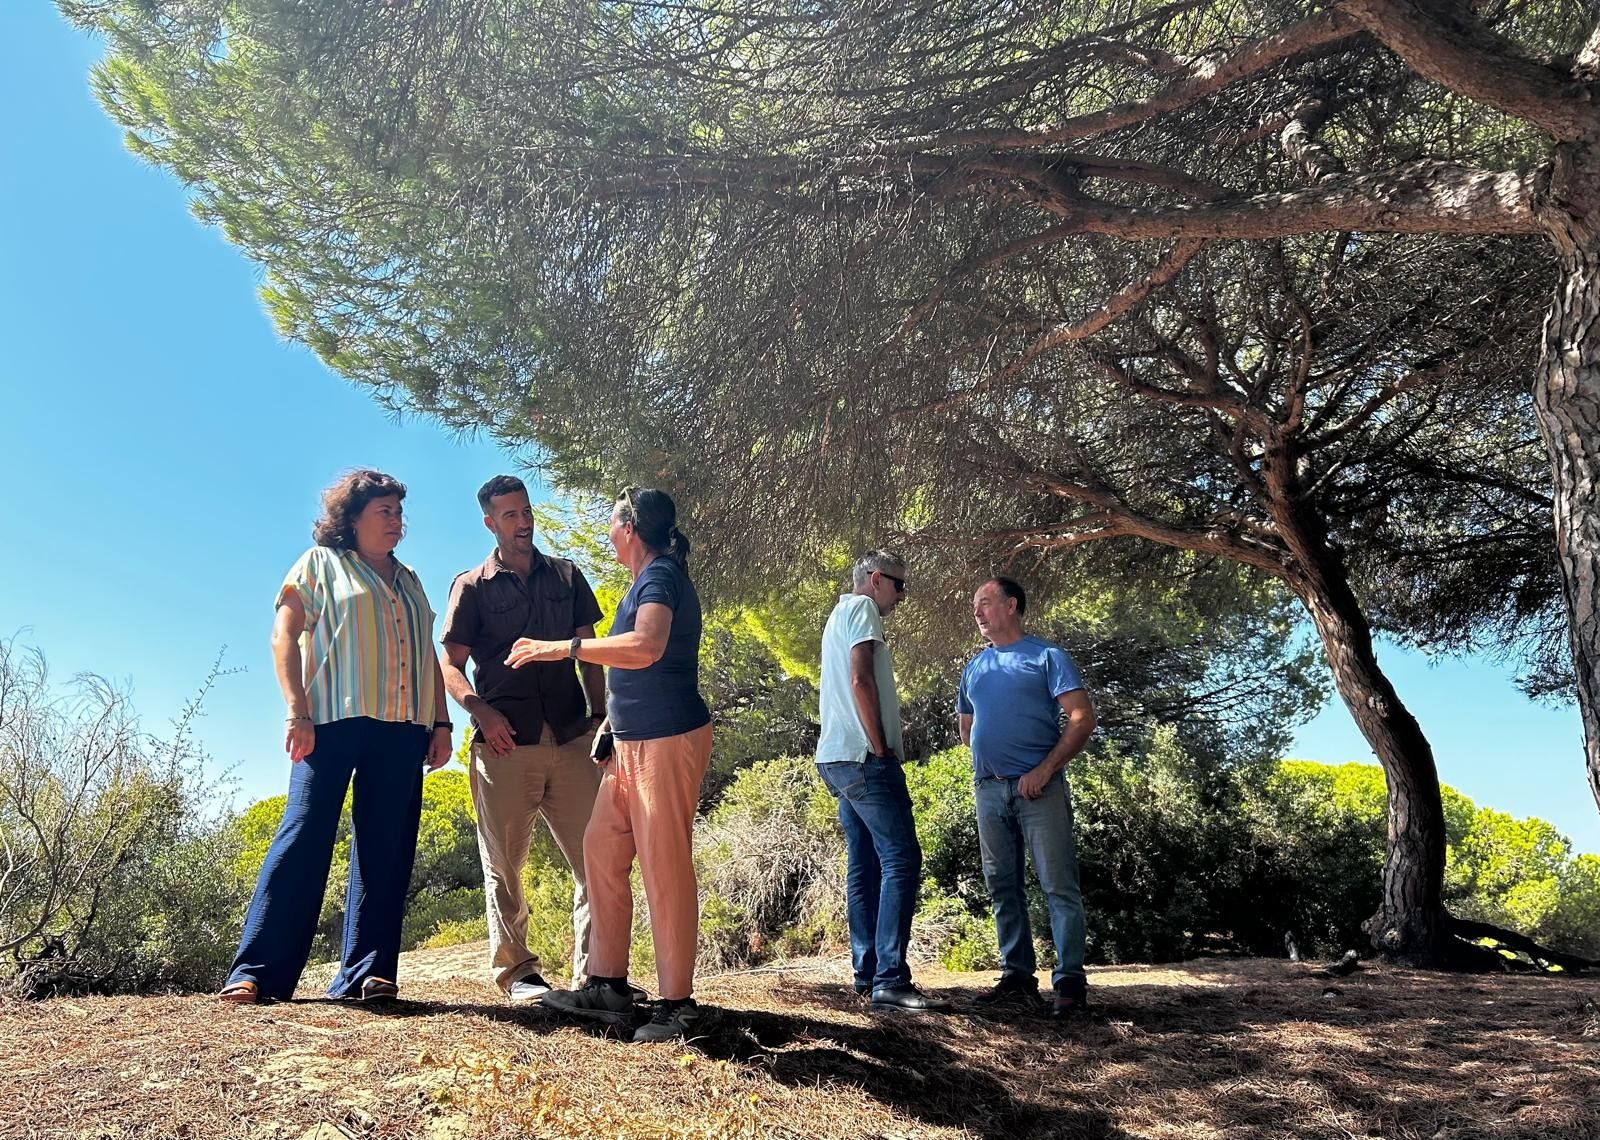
<point>661,699</point>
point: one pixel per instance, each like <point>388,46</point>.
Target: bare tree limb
<point>1444,41</point>
<point>1171,263</point>
<point>1420,197</point>
<point>1206,77</point>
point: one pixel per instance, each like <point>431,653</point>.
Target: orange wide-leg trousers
<point>646,808</point>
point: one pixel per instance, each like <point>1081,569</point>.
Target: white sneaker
<point>529,987</point>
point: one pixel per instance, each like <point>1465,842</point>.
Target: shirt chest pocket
<point>552,611</point>
<point>505,610</point>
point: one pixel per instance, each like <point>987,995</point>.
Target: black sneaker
<point>1072,998</point>
<point>670,1019</point>
<point>1011,989</point>
<point>908,998</point>
<point>596,1001</point>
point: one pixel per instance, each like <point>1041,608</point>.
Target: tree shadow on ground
<point>531,1017</point>
<point>904,1061</point>
<point>1264,1055</point>
<point>1428,1055</point>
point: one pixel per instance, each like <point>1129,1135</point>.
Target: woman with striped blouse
<point>352,645</point>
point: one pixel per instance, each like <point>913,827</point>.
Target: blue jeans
<point>883,865</point>
<point>1008,823</point>
<point>385,758</point>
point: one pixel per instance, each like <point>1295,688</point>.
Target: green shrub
<point>430,915</point>
<point>455,933</point>
<point>771,852</point>
<point>951,932</point>
<point>120,876</point>
<point>726,933</point>
<point>1312,856</point>
<point>947,825</point>
<point>1574,923</point>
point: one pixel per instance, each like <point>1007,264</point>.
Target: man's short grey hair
<point>882,561</point>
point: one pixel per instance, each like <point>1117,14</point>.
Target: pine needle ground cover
<point>1236,1048</point>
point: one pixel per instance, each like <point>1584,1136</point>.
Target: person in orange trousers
<point>659,730</point>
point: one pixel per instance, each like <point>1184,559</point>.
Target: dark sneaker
<point>908,998</point>
<point>670,1019</point>
<point>529,987</point>
<point>1012,989</point>
<point>1072,998</point>
<point>596,1001</point>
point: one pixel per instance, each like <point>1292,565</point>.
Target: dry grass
<point>1217,1048</point>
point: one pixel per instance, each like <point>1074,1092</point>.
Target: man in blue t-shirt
<point>1013,696</point>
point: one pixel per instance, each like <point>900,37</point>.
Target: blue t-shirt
<point>1010,694</point>
<point>661,699</point>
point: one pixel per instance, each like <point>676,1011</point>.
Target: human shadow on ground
<point>1403,1054</point>
<point>532,1017</point>
<point>900,1062</point>
<point>908,1062</point>
<point>1416,1053</point>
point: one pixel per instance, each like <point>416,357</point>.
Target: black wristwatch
<point>572,647</point>
<point>444,724</point>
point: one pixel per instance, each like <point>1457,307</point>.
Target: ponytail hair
<point>655,520</point>
<point>678,547</point>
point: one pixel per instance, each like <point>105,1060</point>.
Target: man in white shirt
<point>858,756</point>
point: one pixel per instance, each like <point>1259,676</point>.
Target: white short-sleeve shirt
<point>854,620</point>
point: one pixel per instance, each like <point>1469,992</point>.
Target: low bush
<point>770,863</point>
<point>119,875</point>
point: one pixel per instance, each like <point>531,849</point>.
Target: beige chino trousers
<point>646,808</point>
<point>509,793</point>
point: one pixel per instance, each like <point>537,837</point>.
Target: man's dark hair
<point>499,485</point>
<point>1012,588</point>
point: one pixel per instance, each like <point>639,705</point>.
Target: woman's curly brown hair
<point>343,503</point>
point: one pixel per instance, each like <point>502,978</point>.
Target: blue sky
<point>161,451</point>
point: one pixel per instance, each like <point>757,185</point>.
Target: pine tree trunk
<point>1410,926</point>
<point>1566,395</point>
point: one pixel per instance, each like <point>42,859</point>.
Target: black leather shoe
<point>907,997</point>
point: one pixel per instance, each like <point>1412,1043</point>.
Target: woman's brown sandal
<point>242,992</point>
<point>378,989</point>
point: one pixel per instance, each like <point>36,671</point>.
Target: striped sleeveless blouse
<point>367,649</point>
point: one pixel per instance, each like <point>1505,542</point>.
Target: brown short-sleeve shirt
<point>490,607</point>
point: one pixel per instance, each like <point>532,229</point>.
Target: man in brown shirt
<point>532,726</point>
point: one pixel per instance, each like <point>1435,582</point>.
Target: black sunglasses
<point>899,583</point>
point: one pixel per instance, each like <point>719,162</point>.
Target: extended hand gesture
<point>525,650</point>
